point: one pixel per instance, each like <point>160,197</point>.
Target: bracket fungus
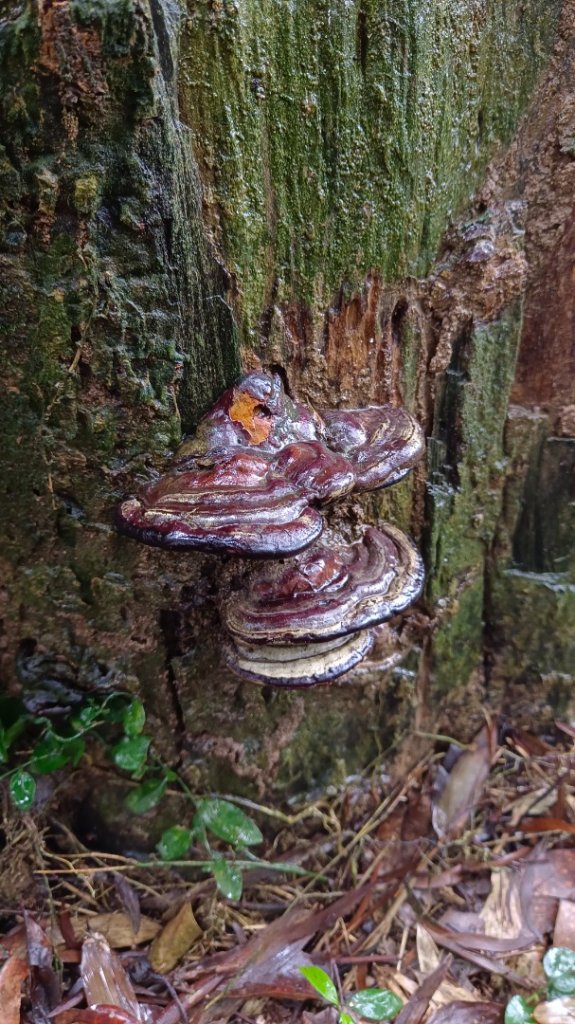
<point>251,482</point>
<point>382,443</point>
<point>239,506</point>
<point>309,620</point>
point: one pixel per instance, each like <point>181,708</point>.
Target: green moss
<point>535,624</point>
<point>531,610</point>
<point>333,138</point>
<point>466,459</point>
<point>458,642</point>
<point>545,527</point>
<point>86,193</point>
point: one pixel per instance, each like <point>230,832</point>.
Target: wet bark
<point>187,190</point>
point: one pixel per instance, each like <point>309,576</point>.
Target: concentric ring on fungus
<point>298,664</point>
<point>309,621</point>
<point>329,591</point>
<point>250,479</point>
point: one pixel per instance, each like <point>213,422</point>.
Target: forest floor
<point>450,897</point>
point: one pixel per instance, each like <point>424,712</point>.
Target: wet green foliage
<point>46,749</point>
<point>559,967</point>
<point>374,1004</point>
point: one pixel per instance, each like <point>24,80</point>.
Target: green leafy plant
<point>50,749</point>
<point>368,1003</point>
<point>223,820</point>
<point>559,967</point>
<point>519,1011</point>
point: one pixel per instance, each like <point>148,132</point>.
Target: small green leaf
<point>22,789</point>
<point>175,843</point>
<point>134,718</point>
<point>228,878</point>
<point>3,744</point>
<point>49,755</point>
<point>559,966</point>
<point>8,734</point>
<point>87,717</point>
<point>346,1018</point>
<point>518,1011</point>
<point>227,822</point>
<point>322,983</point>
<point>130,754</point>
<point>54,752</point>
<point>375,1003</point>
<point>145,796</point>
<point>75,749</point>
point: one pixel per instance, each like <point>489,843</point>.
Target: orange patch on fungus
<point>249,413</point>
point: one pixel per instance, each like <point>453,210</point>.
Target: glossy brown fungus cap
<point>256,413</point>
<point>382,443</point>
<point>328,591</point>
<point>238,506</point>
<point>249,480</point>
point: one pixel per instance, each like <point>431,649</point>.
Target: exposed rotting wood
<point>546,369</point>
<point>540,170</point>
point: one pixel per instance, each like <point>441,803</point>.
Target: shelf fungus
<point>238,505</point>
<point>253,477</point>
<point>382,443</point>
<point>311,619</point>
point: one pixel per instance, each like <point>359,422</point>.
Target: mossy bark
<point>191,188</point>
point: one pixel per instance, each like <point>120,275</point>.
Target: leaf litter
<point>445,889</point>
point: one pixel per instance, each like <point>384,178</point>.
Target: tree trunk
<point>186,191</point>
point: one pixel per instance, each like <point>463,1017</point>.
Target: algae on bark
<point>336,138</point>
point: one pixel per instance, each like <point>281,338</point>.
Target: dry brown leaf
<point>537,801</point>
<point>429,958</point>
<point>449,992</point>
<point>556,1011</point>
<point>128,898</point>
<point>96,1015</point>
<point>104,978</point>
<point>564,933</point>
<point>414,1011</point>
<point>469,947</point>
<point>428,954</point>
<point>547,825</point>
<point>45,983</point>
<point>116,927</point>
<point>11,977</point>
<point>469,1013</point>
<point>548,876</point>
<point>527,744</point>
<point>174,940</point>
<point>401,984</point>
<point>501,912</point>
<point>465,783</point>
